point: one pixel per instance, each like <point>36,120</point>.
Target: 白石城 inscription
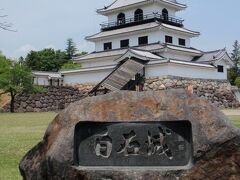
<point>134,144</point>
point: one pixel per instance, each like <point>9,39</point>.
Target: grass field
<point>20,132</point>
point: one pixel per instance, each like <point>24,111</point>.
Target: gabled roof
<point>213,57</point>
<point>139,54</point>
<point>122,4</point>
<point>142,27</point>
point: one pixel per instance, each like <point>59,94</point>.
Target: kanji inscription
<point>157,144</point>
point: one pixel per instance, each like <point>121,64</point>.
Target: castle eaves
<point>143,27</point>
<point>122,4</point>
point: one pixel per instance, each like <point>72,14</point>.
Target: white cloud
<point>25,49</point>
<point>50,46</point>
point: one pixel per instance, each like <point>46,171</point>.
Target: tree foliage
<point>70,65</point>
<point>233,73</point>
<point>16,78</point>
<point>52,60</point>
<point>237,81</point>
<point>46,60</point>
<point>4,63</point>
<point>236,54</point>
<point>71,48</point>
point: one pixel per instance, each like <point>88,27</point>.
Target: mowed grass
<point>20,132</point>
<point>235,120</point>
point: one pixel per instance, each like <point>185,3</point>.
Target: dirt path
<point>231,112</point>
<point>4,99</point>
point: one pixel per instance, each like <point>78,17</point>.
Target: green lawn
<point>20,132</point>
<point>235,120</point>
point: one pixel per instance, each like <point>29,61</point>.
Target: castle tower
<point>143,39</point>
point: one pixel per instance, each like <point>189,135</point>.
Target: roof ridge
<point>46,72</point>
<point>218,50</point>
<point>109,7</point>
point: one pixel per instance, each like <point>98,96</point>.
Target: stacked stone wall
<point>56,98</point>
<point>218,92</point>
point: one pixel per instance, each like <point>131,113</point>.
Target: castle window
<point>220,69</point>
<point>107,46</point>
<point>121,18</point>
<point>165,14</point>
<point>138,15</point>
<point>143,40</point>
<point>124,43</point>
<point>182,42</point>
<point>169,39</point>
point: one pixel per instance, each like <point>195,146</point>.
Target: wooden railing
<point>141,19</point>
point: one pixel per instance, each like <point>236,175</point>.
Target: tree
<point>81,53</point>
<point>46,60</point>
<point>16,78</point>
<point>234,71</point>
<point>236,54</point>
<point>70,65</point>
<point>4,63</point>
<point>71,48</point>
<point>237,81</point>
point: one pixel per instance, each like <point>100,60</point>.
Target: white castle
<point>141,39</point>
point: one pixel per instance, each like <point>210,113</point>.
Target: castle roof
<point>213,57</point>
<point>139,54</point>
<point>122,4</point>
<point>142,27</point>
<point>155,47</point>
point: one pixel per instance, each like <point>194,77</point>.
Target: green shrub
<point>237,81</point>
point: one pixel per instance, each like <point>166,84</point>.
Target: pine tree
<point>71,48</point>
<point>233,73</point>
<point>236,54</point>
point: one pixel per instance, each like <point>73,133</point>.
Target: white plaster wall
<point>133,40</point>
<point>151,71</point>
<point>85,77</point>
<point>184,71</point>
<point>223,63</point>
<point>41,81</point>
<point>156,70</point>
<point>98,62</point>
<point>147,9</point>
<point>176,35</point>
<point>153,37</point>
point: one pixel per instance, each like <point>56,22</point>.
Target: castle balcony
<point>142,19</point>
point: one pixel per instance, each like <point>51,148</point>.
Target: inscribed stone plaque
<point>134,144</point>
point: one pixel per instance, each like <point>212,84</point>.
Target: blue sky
<point>48,23</point>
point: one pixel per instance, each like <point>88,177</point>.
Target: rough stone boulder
<point>216,141</point>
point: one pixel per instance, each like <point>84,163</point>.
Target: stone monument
<point>168,134</point>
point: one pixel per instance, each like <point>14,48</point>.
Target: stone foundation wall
<point>217,92</point>
<point>85,88</point>
<point>56,98</point>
